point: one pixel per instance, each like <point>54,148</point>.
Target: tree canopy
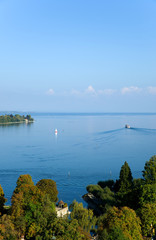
<point>147,215</point>
<point>32,209</point>
<point>149,172</point>
<point>122,223</point>
<point>84,216</point>
<point>7,228</point>
<point>48,186</point>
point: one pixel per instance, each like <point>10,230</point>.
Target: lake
<point>87,148</point>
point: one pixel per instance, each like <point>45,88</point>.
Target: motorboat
<point>127,126</point>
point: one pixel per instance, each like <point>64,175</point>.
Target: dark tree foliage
<point>2,200</point>
<point>28,117</point>
<point>149,173</point>
<point>116,233</point>
<point>116,186</point>
<point>125,178</point>
<point>105,198</point>
<point>108,183</point>
<point>148,194</point>
<point>136,194</point>
<point>125,186</point>
<point>49,187</point>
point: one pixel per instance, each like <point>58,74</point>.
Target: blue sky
<point>78,56</point>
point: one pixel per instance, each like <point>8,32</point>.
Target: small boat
<point>127,126</point>
<point>56,131</point>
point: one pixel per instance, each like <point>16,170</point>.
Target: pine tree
<point>125,179</point>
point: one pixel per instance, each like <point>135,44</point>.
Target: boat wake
<point>111,131</point>
<point>108,136</point>
<point>144,130</point>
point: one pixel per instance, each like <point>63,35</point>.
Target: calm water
<point>87,148</point>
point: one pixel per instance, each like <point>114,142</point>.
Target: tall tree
<point>48,186</point>
<point>31,208</point>
<point>125,183</point>
<point>125,178</point>
<point>149,172</point>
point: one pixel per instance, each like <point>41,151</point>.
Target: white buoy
<point>56,131</point>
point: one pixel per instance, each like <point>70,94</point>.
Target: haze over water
<point>87,148</point>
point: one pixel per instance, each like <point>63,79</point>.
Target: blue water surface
<point>87,148</point>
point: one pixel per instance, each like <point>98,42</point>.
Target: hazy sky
<point>78,55</point>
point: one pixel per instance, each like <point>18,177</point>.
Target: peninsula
<point>11,119</point>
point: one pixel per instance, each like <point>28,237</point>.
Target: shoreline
<point>9,123</point>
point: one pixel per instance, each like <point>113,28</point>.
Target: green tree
<point>108,183</point>
<point>31,209</point>
<point>125,186</point>
<point>29,117</point>
<point>125,178</point>
<point>38,217</point>
<point>104,197</point>
<point>2,199</point>
<point>24,179</point>
<point>148,194</point>
<point>136,193</point>
<point>84,216</point>
<point>149,172</point>
<point>147,215</point>
<point>7,229</point>
<point>67,229</point>
<point>122,223</point>
<point>116,233</point>
<point>48,186</point>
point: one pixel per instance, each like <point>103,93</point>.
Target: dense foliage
<point>137,194</point>
<point>48,186</point>
<point>15,118</point>
<point>119,222</point>
<point>84,216</point>
<point>149,172</point>
<point>33,214</point>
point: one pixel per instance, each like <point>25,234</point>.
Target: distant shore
<point>9,123</point>
<point>15,119</point>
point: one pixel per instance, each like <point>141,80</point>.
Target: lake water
<point>87,148</point>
